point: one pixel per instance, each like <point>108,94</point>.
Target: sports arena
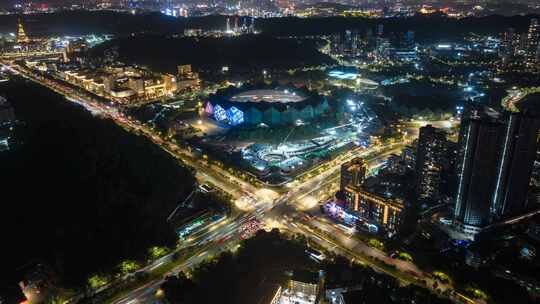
<point>272,107</point>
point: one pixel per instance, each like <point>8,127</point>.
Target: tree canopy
<point>81,193</point>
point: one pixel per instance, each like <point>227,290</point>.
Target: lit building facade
<point>382,211</point>
<point>533,43</point>
<point>478,150</point>
<point>508,46</point>
<point>271,107</point>
<point>306,289</point>
<point>431,160</point>
<point>516,161</point>
<point>127,84</point>
<point>495,161</point>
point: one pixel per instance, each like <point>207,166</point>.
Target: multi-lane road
<point>263,203</point>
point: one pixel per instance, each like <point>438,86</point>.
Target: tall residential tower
<point>533,44</point>
<point>495,159</point>
<point>478,150</point>
<point>517,159</point>
<point>431,161</point>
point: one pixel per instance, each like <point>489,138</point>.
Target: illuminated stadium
<point>275,106</point>
<point>350,78</point>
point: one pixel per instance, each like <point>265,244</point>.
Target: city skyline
<point>313,153</point>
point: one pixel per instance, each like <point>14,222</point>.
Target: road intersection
<point>276,208</point>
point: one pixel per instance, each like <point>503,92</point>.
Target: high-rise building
<point>21,33</point>
<point>517,159</point>
<point>478,150</point>
<point>382,48</point>
<point>431,161</point>
<point>508,45</point>
<point>336,43</point>
<point>409,39</point>
<point>351,43</point>
<point>348,41</point>
<point>533,39</point>
<point>495,160</point>
<point>353,172</point>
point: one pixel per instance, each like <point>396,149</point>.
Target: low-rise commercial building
<point>127,84</point>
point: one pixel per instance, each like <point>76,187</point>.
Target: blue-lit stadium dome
<point>269,106</point>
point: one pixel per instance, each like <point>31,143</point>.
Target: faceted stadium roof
<point>268,95</point>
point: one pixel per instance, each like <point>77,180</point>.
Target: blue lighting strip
<point>499,175</point>
<point>460,188</point>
